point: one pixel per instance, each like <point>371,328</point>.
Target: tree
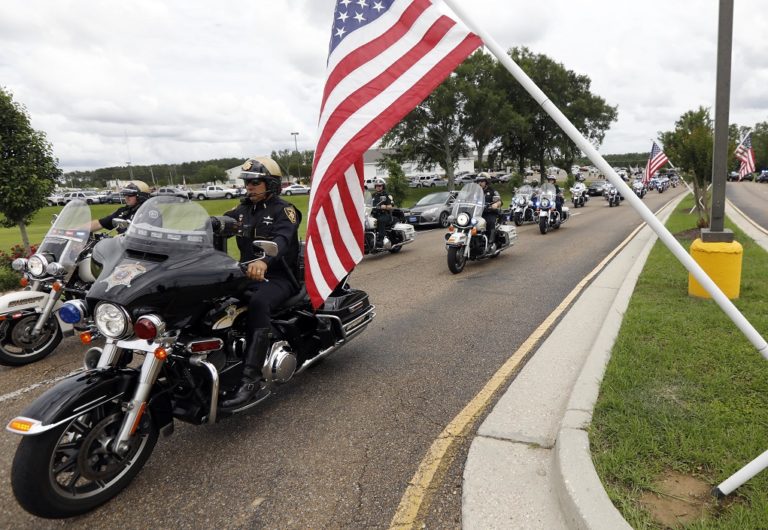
<point>397,184</point>
<point>28,170</point>
<point>211,173</point>
<point>690,146</point>
<point>433,132</point>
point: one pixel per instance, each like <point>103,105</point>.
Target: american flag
<point>746,154</point>
<point>384,58</point>
<point>656,160</point>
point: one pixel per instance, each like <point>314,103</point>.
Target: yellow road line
<point>417,498</point>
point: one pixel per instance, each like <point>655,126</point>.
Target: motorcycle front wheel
<point>456,259</point>
<point>18,347</point>
<point>71,469</point>
<point>518,218</point>
<point>543,225</point>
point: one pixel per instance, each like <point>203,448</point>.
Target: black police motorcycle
<point>396,236</point>
<point>168,294</point>
<point>467,237</point>
<point>60,269</point>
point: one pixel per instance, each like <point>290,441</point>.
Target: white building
<point>372,157</point>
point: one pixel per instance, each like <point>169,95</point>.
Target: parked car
<point>504,178</point>
<point>54,200</point>
<point>90,197</point>
<point>763,176</point>
<point>470,177</point>
<point>596,188</point>
<point>370,183</point>
<point>113,197</point>
<point>296,189</point>
<point>172,192</point>
<point>426,181</point>
<point>431,209</point>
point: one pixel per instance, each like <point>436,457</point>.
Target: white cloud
<point>157,82</point>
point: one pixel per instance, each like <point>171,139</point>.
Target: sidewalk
<point>530,465</point>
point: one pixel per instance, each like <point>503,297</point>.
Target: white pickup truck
<point>214,192</point>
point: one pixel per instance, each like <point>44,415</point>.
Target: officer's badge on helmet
<point>263,169</point>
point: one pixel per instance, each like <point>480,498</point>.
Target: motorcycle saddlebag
<point>350,308</point>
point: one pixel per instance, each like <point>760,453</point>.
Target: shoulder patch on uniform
<point>291,213</point>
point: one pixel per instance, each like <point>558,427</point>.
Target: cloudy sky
<point>168,81</point>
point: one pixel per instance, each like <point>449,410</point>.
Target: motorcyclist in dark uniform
<point>491,210</point>
<point>263,215</point>
<point>135,194</point>
<point>382,210</point>
<point>559,197</point>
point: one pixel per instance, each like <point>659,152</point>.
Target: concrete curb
<point>583,499</point>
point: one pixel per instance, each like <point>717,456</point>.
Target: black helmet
<point>263,169</point>
<point>136,189</point>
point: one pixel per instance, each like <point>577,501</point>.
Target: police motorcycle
<point>612,195</point>
<point>639,188</point>
<point>169,296</point>
<point>548,215</point>
<point>467,237</point>
<point>523,205</point>
<point>579,195</point>
<point>30,326</point>
<point>397,235</point>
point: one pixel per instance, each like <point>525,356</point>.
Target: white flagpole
<point>647,215</point>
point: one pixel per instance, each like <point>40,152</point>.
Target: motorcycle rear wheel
<point>543,225</point>
<point>16,346</point>
<point>456,259</point>
<point>69,470</point>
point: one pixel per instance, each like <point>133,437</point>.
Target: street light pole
<point>296,144</point>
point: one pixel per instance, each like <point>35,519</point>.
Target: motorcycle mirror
<point>122,224</point>
<point>269,247</point>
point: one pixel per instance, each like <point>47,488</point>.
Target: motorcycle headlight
<point>462,219</point>
<point>112,321</point>
<point>19,264</point>
<point>37,265</point>
<point>521,201</point>
<point>545,203</point>
<point>55,269</point>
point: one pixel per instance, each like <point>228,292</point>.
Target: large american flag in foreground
<point>384,58</point>
<point>656,160</point>
<point>746,154</point>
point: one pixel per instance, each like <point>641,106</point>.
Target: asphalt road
<point>337,446</point>
<point>751,198</point>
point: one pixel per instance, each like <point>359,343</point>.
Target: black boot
<point>251,387</point>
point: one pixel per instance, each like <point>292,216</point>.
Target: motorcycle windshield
<point>68,235</point>
<point>170,225</point>
<point>548,190</point>
<point>524,191</point>
<point>470,200</point>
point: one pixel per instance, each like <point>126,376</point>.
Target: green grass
<point>684,390</point>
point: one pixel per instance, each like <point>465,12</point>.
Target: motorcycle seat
<point>299,298</point>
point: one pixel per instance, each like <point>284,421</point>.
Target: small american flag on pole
<point>384,58</point>
<point>656,160</point>
<point>746,154</point>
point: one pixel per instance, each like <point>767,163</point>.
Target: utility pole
<point>717,231</point>
<point>296,144</point>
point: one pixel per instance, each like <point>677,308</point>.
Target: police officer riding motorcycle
<point>263,215</point>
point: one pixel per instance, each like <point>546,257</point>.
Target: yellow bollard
<point>722,262</point>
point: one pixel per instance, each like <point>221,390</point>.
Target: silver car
<point>431,209</point>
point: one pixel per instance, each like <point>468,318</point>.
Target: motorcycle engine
<point>281,363</point>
